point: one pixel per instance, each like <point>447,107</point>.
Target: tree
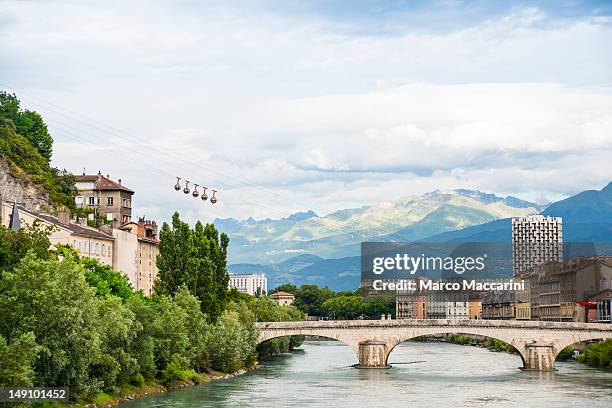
<point>106,281</point>
<point>287,287</point>
<point>310,298</point>
<point>197,259</point>
<point>118,330</point>
<point>51,299</point>
<point>29,124</point>
<point>26,162</point>
<point>17,359</point>
<point>14,245</point>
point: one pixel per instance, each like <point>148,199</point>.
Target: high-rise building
<point>251,284</point>
<point>536,239</point>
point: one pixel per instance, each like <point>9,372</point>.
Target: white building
<point>249,283</point>
<point>536,239</point>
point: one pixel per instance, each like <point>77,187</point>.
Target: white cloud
<point>316,111</point>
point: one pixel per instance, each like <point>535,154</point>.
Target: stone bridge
<point>537,342</point>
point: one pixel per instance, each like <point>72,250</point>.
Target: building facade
<point>90,242</point>
<point>535,240</point>
<point>136,253</point>
<point>251,284</point>
<point>109,200</point>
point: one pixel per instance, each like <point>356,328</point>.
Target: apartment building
<point>136,253</point>
<point>535,240</point>
<point>109,200</point>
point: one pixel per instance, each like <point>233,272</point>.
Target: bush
<point>598,354</point>
<point>137,380</point>
<point>175,371</point>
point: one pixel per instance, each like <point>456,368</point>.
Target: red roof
<point>282,294</point>
<point>102,183</point>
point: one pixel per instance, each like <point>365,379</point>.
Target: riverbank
<point>151,388</point>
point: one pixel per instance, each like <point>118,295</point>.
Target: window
<point>109,200</point>
<point>103,249</point>
<point>92,200</point>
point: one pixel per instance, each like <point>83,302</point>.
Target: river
<point>423,375</point>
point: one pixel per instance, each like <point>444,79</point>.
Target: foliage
<point>324,302</point>
<point>25,161</point>
<point>196,258</point>
<point>566,353</point>
<point>266,309</point>
<point>498,345</point>
<point>15,244</point>
<point>105,280</point>
<point>29,124</point>
<point>72,322</point>
<point>17,359</point>
<point>597,354</point>
<point>51,299</point>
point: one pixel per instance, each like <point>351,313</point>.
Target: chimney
<point>119,181</point>
<point>63,216</point>
<point>141,227</point>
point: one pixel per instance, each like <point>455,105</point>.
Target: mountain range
<point>307,249</point>
<point>339,234</point>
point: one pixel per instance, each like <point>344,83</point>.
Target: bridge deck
<point>515,324</point>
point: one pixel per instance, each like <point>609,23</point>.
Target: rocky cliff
<point>21,189</point>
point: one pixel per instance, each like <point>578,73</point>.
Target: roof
<point>72,227</point>
<point>102,183</point>
<point>282,294</point>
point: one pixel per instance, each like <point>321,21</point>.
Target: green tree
<point>14,245</point>
<point>17,359</point>
<point>310,298</point>
<point>344,307</point>
<point>29,124</point>
<point>25,162</point>
<point>105,280</point>
<point>51,299</point>
<point>118,330</point>
<point>197,259</point>
<point>229,343</point>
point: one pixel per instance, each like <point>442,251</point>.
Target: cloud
<point>302,106</point>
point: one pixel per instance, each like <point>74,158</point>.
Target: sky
<point>288,106</point>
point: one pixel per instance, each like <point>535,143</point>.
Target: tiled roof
<point>281,294</point>
<point>103,183</point>
<point>72,227</point>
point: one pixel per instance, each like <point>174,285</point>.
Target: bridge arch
<point>328,334</point>
<point>578,338</point>
<point>518,346</point>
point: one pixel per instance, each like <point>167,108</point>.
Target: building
<point>411,305</point>
<point>474,308</point>
<point>601,306</point>
<point>90,242</point>
<point>499,305</point>
<point>283,298</point>
<point>253,284</point>
<point>136,253</point>
<point>109,201</point>
<point>535,240</point>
